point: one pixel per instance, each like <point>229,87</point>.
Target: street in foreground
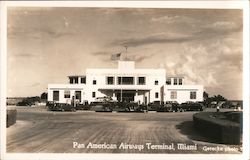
<point>40,131</point>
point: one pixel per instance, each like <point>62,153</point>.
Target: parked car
<point>83,106</point>
<point>154,106</point>
<point>131,106</point>
<point>100,106</point>
<point>141,108</point>
<point>171,106</point>
<point>25,102</point>
<point>191,106</point>
<point>52,106</point>
<point>123,106</point>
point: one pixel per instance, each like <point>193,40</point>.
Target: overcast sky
<point>45,45</point>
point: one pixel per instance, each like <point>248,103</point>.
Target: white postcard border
<point>244,5</point>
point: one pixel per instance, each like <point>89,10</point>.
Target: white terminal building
<point>125,83</point>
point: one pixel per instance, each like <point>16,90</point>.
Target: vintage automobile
<point>53,106</point>
<point>190,106</point>
<point>126,107</point>
<point>171,106</point>
<point>102,106</point>
<point>84,106</point>
<point>154,106</point>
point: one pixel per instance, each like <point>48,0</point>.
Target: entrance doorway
<point>145,100</point>
<point>126,96</point>
<point>78,95</point>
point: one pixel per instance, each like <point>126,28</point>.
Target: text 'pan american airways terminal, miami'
<point>127,84</point>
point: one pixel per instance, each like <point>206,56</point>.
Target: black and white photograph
<point>125,80</point>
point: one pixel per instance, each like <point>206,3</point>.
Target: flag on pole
<point>116,56</point>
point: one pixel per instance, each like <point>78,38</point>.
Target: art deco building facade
<point>125,83</point>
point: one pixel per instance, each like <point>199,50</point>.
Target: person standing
<point>73,101</point>
<point>218,108</point>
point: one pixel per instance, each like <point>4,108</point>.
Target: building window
<point>180,81</point>
<point>156,95</point>
<point>141,80</point>
<point>192,95</point>
<point>94,81</point>
<point>71,80</point>
<point>55,95</point>
<point>173,95</point>
<point>125,80</point>
<point>66,94</point>
<point>110,80</point>
<point>76,80</point>
<point>175,81</point>
<point>93,94</point>
<point>168,81</point>
<point>83,80</point>
<point>78,95</point>
<point>156,82</point>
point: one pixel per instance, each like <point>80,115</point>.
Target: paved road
<point>41,131</point>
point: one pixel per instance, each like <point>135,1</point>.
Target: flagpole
<point>126,47</point>
<point>121,88</point>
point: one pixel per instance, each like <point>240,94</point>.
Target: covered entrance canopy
<point>128,95</point>
<point>125,96</point>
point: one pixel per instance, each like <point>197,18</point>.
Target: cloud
<point>140,58</point>
<point>106,56</point>
<point>34,84</point>
<point>215,30</point>
<point>174,19</point>
<point>217,70</point>
<point>143,57</point>
<point>218,30</point>
<point>232,60</point>
<point>153,39</point>
<point>223,24</point>
<point>100,53</point>
<point>37,33</point>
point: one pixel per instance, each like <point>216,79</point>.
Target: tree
<point>44,96</point>
<point>216,98</point>
<point>205,95</point>
<point>206,100</point>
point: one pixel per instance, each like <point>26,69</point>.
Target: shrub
<point>218,127</point>
<point>28,101</point>
<point>11,117</point>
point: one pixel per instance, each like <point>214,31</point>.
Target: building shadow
<point>187,128</point>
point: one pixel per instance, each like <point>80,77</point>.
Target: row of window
<point>140,81</point>
<point>124,81</point>
<point>75,80</point>
<point>66,95</point>
<point>177,81</point>
<point>173,95</point>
